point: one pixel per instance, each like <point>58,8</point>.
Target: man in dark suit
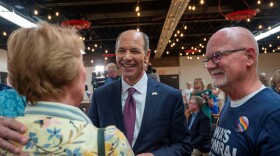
<point>160,122</point>
<point>199,126</point>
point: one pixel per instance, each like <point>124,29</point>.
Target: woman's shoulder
<point>61,136</point>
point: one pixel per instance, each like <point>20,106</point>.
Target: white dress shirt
<point>140,98</point>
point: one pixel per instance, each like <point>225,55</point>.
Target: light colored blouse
<point>59,129</point>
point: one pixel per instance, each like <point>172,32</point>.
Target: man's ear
<point>251,56</point>
<point>147,56</point>
<point>277,87</point>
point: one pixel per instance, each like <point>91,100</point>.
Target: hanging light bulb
<point>259,2</point>
<point>137,8</point>
<point>49,17</point>
<point>57,13</point>
<point>138,14</point>
<point>35,12</point>
<point>193,8</point>
<point>271,4</point>
<point>185,27</point>
<point>201,2</point>
<point>248,20</point>
<point>4,33</point>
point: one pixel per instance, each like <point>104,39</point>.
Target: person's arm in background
<point>11,130</point>
<point>184,94</point>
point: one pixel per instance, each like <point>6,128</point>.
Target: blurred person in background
<point>207,95</point>
<point>199,126</point>
<point>275,81</point>
<point>111,72</point>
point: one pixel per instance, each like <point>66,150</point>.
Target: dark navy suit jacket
<point>200,132</point>
<point>163,129</point>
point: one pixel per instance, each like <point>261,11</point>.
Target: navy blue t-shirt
<point>250,129</point>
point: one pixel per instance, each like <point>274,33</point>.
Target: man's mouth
<point>217,73</point>
<point>128,65</point>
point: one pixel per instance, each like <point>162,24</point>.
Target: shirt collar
<point>57,110</point>
<point>138,86</point>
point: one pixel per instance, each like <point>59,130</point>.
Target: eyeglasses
<point>216,57</point>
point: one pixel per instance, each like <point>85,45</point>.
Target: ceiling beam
<point>175,12</point>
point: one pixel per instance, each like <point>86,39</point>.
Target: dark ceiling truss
<point>110,17</point>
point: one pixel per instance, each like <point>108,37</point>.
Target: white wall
<point>89,71</point>
<point>3,60</point>
<point>191,69</point>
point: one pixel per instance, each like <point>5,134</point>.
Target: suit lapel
<point>151,97</point>
<point>116,103</point>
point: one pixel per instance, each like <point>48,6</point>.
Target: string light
<point>35,12</point>
<point>193,8</point>
<point>138,14</point>
<point>201,2</point>
<point>259,2</point>
<point>91,61</point>
<point>4,33</point>
<point>185,27</point>
<point>57,13</point>
<point>137,8</point>
<point>49,17</point>
<point>271,4</point>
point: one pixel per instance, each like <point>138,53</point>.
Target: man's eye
<point>216,56</point>
<point>121,50</point>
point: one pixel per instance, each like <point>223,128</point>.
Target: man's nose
<point>210,64</point>
<point>127,55</point>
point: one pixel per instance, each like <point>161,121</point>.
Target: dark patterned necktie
<point>130,115</point>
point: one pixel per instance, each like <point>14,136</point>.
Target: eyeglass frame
<point>221,53</point>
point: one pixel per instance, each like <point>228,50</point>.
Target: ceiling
<point>108,18</point>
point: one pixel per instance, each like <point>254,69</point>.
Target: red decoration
<point>191,50</point>
<point>78,24</point>
<point>109,55</point>
<point>240,15</point>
